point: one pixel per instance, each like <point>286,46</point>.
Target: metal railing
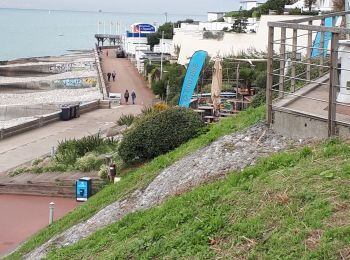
<point>305,53</point>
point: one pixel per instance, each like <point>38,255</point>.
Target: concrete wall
<point>303,126</point>
<point>49,118</point>
<point>46,68</point>
<point>100,78</point>
<point>12,112</point>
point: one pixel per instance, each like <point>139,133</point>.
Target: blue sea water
<point>34,33</point>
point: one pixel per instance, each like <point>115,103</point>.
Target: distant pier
<point>112,38</point>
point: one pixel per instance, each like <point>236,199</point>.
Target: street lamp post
<point>161,56</point>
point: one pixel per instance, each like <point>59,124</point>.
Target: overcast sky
<point>140,6</point>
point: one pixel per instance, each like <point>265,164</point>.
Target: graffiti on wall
<point>88,82</point>
<point>75,66</point>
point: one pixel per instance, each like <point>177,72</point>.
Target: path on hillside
<point>127,78</point>
<point>231,152</point>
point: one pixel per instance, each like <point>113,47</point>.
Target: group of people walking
<point>133,96</point>
<point>126,94</point>
<point>113,75</point>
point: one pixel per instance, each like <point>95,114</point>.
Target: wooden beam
<point>322,50</point>
<point>333,73</point>
<point>282,61</point>
<point>269,75</point>
<point>294,57</point>
<point>308,53</point>
<point>306,27</point>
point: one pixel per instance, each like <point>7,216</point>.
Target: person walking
<point>126,96</point>
<point>109,76</point>
<point>133,96</point>
<point>113,75</point>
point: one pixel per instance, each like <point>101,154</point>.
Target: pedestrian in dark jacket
<point>113,75</point>
<point>126,96</point>
<point>133,96</point>
<point>109,76</point>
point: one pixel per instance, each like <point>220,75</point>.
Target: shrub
<point>90,162</point>
<point>160,106</point>
<point>159,133</point>
<point>259,99</point>
<point>103,172</point>
<point>126,120</point>
<point>69,151</point>
<point>37,161</point>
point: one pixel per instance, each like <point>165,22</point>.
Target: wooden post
<point>321,50</point>
<point>269,76</point>
<point>294,56</point>
<point>237,80</point>
<point>308,54</point>
<point>282,61</point>
<point>333,84</point>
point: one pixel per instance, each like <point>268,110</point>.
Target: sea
<point>36,33</point>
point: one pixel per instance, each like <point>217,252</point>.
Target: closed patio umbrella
<point>216,86</point>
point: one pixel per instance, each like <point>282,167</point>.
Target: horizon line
<point>99,11</point>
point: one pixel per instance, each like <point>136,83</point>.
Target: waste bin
<point>66,113</point>
<point>77,111</point>
<point>83,189</point>
<point>72,112</point>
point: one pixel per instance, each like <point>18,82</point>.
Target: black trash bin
<point>77,111</point>
<point>66,113</point>
<point>72,112</point>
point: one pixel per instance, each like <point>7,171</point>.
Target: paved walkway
<point>127,78</point>
<point>25,147</point>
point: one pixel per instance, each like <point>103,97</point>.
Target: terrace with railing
<point>308,79</point>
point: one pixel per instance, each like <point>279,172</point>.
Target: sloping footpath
<point>231,152</point>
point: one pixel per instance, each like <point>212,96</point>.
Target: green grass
<point>140,177</point>
<point>284,207</point>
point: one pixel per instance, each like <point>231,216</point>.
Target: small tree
<point>240,25</point>
<point>339,5</point>
<point>309,3</point>
<point>153,39</point>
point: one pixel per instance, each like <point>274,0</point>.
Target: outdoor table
<point>208,111</point>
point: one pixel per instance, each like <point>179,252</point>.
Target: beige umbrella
<point>216,86</point>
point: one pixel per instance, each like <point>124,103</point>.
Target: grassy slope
<point>291,205</point>
<point>140,178</point>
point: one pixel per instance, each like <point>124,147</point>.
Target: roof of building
<point>216,12</point>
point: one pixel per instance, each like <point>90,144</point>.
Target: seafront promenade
<point>23,148</point>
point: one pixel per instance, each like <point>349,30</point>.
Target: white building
<point>214,16</point>
<point>233,43</point>
<point>165,46</point>
<point>320,5</point>
<point>248,4</point>
<point>324,5</point>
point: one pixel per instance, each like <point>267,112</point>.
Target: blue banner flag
<point>192,75</point>
<point>317,48</point>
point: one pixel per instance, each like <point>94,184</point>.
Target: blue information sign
<point>83,189</point>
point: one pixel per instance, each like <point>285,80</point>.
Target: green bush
<point>90,162</point>
<point>159,133</point>
<point>69,151</point>
<point>103,172</point>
